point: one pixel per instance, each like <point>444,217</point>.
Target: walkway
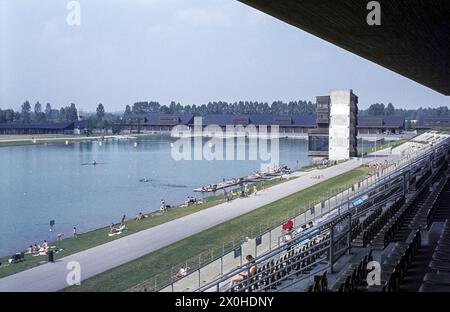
<point>52,276</point>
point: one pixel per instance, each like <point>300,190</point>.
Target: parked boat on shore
<point>256,176</point>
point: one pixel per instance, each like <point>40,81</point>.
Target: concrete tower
<point>343,125</point>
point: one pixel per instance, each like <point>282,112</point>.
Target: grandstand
<point>396,224</point>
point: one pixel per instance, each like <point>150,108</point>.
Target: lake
<point>40,183</point>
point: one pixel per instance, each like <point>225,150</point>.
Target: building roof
<point>381,122</point>
<point>80,124</point>
<point>430,122</point>
<point>260,119</point>
<point>158,119</point>
<point>46,126</point>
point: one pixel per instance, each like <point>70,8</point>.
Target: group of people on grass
<point>243,192</point>
<point>39,248</point>
<point>190,200</point>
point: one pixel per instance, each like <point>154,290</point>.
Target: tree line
<point>103,119</point>
<point>39,114</point>
<point>379,109</point>
<point>242,107</point>
<point>98,120</point>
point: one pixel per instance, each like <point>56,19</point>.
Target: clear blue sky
<point>188,51</point>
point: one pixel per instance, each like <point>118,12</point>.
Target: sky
<point>187,51</point>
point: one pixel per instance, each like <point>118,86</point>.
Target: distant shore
<point>19,140</point>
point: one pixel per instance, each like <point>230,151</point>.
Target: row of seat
<point>298,260</point>
<point>403,215</point>
<point>355,276</point>
<point>320,283</point>
<point>412,216</point>
<point>396,265</point>
<point>425,214</point>
<point>358,229</point>
<point>438,279</point>
<point>360,226</point>
<point>431,211</point>
<point>417,184</point>
<point>374,227</point>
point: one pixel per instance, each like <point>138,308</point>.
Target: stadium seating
<point>397,264</point>
<point>439,278</point>
<point>374,227</point>
<point>354,277</point>
<point>298,260</point>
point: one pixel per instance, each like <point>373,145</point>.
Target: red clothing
<point>288,225</point>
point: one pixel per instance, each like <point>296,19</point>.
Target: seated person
<point>113,229</point>
<point>287,237</point>
<point>241,276</point>
<point>190,200</point>
<point>140,216</point>
<point>181,272</point>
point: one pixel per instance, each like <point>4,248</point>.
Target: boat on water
<point>252,178</point>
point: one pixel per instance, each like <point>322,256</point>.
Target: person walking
<point>163,207</point>
<point>75,232</point>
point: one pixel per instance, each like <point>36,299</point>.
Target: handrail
<point>418,157</point>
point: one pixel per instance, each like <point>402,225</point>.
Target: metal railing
<point>271,230</point>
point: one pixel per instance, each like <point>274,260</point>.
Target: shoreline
<point>99,235</point>
<point>154,218</point>
<point>205,199</point>
<point>38,140</point>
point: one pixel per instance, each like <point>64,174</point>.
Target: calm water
<point>48,182</point>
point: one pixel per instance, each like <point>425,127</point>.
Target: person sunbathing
<point>113,229</point>
<point>122,227</point>
<point>243,275</point>
<point>140,216</point>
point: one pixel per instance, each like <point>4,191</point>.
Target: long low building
<point>380,125</point>
<point>68,128</point>
<point>296,125</point>
<point>288,125</point>
<point>437,122</point>
<point>155,123</point>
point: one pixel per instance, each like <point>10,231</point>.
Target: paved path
<point>52,276</point>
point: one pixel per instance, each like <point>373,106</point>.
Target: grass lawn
<point>161,261</point>
<point>100,236</point>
